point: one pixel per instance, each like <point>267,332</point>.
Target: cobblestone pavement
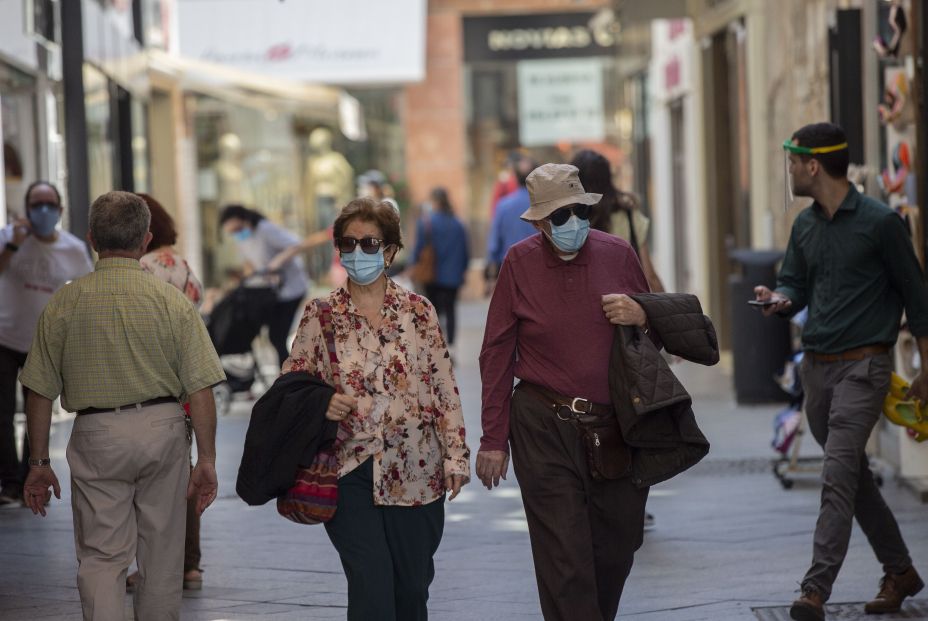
<point>729,542</point>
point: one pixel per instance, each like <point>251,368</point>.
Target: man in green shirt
<point>123,349</point>
<point>851,262</point>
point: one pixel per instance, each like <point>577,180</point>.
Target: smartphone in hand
<point>762,303</point>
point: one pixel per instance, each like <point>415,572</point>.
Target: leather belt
<point>129,406</point>
<point>566,408</point>
<point>858,353</point>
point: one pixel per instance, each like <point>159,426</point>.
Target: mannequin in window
<point>329,182</point>
<point>232,186</point>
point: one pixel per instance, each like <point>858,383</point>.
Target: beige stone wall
<point>797,88</point>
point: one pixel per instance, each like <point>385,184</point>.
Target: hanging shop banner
<point>545,35</point>
<point>344,42</point>
<point>560,100</point>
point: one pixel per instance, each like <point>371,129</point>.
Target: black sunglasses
<point>562,215</point>
<point>369,245</point>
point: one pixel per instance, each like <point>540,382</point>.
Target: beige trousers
<point>129,474</point>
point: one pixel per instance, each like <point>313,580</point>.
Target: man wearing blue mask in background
<point>36,259</point>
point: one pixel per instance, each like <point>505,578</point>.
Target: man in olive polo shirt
<point>850,260</point>
<point>123,349</point>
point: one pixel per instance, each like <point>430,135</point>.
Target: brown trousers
<point>584,533</point>
<point>129,475</point>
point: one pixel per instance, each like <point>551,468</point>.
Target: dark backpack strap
<point>632,237</point>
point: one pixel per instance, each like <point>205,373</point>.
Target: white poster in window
<point>560,100</point>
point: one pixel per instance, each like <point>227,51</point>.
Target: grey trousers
<point>843,401</point>
<point>584,533</point>
<point>129,475</point>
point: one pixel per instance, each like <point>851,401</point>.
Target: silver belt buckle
<point>569,412</point>
<point>576,410</point>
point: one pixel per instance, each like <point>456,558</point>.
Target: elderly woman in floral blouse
<point>400,400</point>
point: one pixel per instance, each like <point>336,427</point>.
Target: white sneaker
<point>648,521</point>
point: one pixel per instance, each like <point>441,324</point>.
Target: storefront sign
<point>549,35</point>
<point>344,42</point>
<point>560,100</point>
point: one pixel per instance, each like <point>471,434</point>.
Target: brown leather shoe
<point>809,607</point>
<point>893,589</point>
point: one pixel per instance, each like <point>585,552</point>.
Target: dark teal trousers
<point>386,551</point>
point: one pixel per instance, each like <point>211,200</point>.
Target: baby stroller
<point>233,325</point>
<point>789,427</point>
<point>789,424</point>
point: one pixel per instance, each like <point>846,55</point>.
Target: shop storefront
<point>545,84</point>
<point>289,104</point>
<point>116,94</point>
<point>20,147</point>
<point>20,96</point>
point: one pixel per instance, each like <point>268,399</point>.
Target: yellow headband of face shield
<point>795,148</point>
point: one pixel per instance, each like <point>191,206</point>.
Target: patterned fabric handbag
<point>314,495</point>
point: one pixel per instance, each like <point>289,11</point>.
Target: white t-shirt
<point>35,272</point>
<point>265,243</point>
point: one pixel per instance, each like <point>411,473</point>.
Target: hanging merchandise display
<point>908,413</point>
<point>897,23</point>
<point>897,109</point>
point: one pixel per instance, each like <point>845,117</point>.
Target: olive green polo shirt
<point>856,272</point>
<point>118,336</point>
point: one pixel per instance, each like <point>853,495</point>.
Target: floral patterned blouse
<point>170,267</point>
<point>409,416</point>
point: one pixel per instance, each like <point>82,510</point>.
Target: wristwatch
<point>40,462</point>
<point>12,247</point>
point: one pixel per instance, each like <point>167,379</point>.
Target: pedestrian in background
<point>551,324</point>
<point>507,227</point>
<point>447,236</point>
<point>506,182</point>
<point>398,402</point>
<point>36,260</point>
<point>163,261</point>
<point>122,348</point>
<point>851,262</point>
<point>618,212</point>
<point>259,242</point>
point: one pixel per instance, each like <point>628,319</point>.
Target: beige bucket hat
<point>552,186</point>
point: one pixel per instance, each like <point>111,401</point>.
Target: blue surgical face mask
<point>44,217</point>
<point>363,268</point>
<point>243,234</point>
<point>570,236</point>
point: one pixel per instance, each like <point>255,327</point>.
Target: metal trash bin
<point>760,345</point>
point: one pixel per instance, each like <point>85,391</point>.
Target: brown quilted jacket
<point>653,408</point>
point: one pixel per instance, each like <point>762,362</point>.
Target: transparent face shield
<point>788,196</point>
<point>789,146</point>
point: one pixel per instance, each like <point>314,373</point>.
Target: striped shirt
<point>119,336</point>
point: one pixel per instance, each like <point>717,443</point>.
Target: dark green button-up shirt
<point>856,272</point>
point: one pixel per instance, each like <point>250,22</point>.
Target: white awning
<point>248,89</point>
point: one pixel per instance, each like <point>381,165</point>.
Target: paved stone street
<point>730,543</point>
